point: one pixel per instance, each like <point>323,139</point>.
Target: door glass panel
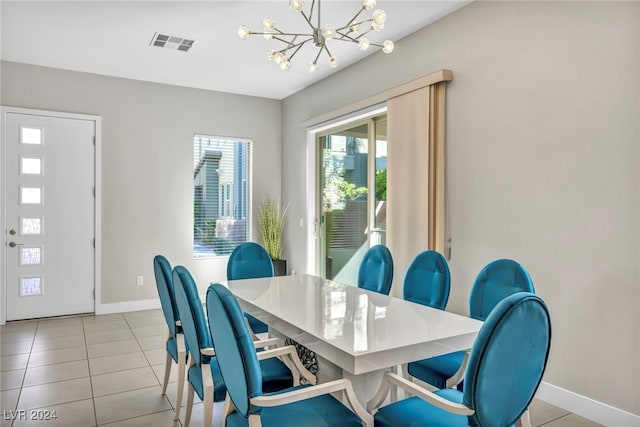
<point>378,232</point>
<point>30,195</point>
<point>30,256</point>
<point>30,166</point>
<point>31,226</point>
<point>30,135</point>
<point>30,286</point>
<point>344,201</point>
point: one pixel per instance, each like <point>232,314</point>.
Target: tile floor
<point>107,370</point>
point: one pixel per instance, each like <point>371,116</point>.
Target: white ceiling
<point>113,38</point>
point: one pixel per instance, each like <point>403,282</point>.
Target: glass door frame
<point>318,225</point>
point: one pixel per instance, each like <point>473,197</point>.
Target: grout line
<point>93,400</point>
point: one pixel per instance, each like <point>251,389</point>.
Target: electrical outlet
<point>139,280</point>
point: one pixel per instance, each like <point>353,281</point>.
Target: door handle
<point>14,244</point>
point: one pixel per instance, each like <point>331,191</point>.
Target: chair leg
<point>524,420</point>
<point>182,366</point>
<point>167,371</point>
<point>207,402</point>
<point>187,415</point>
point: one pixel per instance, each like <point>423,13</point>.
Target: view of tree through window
<point>221,194</point>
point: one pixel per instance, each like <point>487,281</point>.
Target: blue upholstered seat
<point>249,261</point>
<point>239,366</point>
<point>506,365</point>
<point>176,351</point>
<point>427,280</point>
<point>497,280</point>
<point>204,374</point>
<point>376,270</point>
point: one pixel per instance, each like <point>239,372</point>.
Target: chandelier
<point>353,31</point>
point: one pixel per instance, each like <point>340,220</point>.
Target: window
<point>221,194</point>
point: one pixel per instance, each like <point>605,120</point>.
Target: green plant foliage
<point>271,222</point>
<point>381,185</point>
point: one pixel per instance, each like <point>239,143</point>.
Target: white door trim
<point>97,200</point>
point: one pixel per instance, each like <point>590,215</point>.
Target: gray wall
<point>147,162</point>
<point>543,161</point>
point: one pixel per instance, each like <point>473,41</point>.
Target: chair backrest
<point>497,280</point>
<point>248,261</point>
<point>235,352</point>
<point>164,282</point>
<point>194,324</point>
<point>376,270</point>
<point>507,360</point>
<point>428,280</point>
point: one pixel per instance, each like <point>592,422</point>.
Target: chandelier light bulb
<point>268,24</point>
<point>328,31</point>
<point>363,43</point>
<point>333,62</point>
<point>296,5</point>
<point>354,28</point>
<point>244,32</point>
<point>285,65</point>
<point>377,27</point>
<point>387,46</point>
<point>368,4</point>
<point>312,66</point>
<point>279,58</point>
<point>379,17</point>
<point>271,54</point>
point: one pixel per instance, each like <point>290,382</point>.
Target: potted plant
<point>271,222</point>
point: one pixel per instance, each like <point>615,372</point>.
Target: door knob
<point>14,244</point>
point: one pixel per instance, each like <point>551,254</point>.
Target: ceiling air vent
<point>171,42</point>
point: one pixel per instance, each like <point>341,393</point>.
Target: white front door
<point>49,185</point>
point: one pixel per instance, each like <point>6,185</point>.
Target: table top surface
<point>357,329</point>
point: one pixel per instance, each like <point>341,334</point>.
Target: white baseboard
<point>121,307</point>
<point>586,407</point>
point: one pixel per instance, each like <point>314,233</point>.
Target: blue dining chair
<point>376,270</point>
<point>175,345</point>
<point>247,404</point>
<point>428,280</point>
<point>506,365</point>
<point>204,374</point>
<point>497,280</point>
<point>250,261</point>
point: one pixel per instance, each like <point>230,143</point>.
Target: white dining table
<point>360,333</point>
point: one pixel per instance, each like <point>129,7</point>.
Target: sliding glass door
<point>351,196</point>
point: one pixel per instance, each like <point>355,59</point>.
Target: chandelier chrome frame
<point>353,31</point>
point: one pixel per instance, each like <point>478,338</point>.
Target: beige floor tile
<point>115,325</point>
<point>571,420</point>
<point>159,371</point>
<point>111,348</point>
<point>44,344</point>
<point>150,320</point>
<point>59,323</point>
<point>542,412</point>
<point>11,363</point>
<point>73,414</point>
<point>121,406</point>
<point>118,362</point>
<point>18,347</point>
<point>172,393</point>
<point>142,314</point>
<point>9,399</point>
<point>21,326</point>
<point>11,379</point>
<point>59,372</point>
<point>117,382</point>
<point>197,415</point>
<point>8,337</point>
<point>159,419</point>
<point>109,336</point>
<point>44,395</point>
<point>149,343</point>
<point>156,356</point>
<point>62,331</point>
<point>61,355</point>
<point>102,318</point>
